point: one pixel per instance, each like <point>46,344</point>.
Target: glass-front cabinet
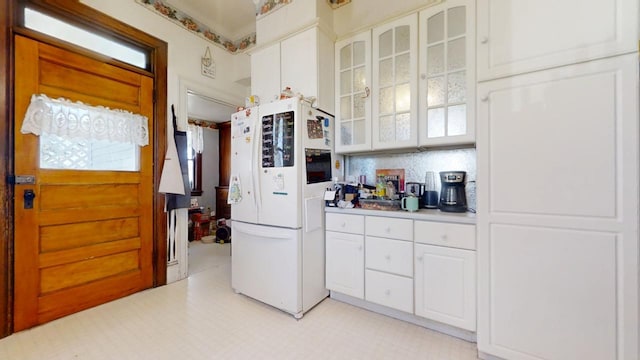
<point>395,86</point>
<point>353,89</point>
<point>447,76</point>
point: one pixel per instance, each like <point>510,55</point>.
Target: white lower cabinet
<point>389,290</point>
<point>426,269</point>
<point>345,263</point>
<point>445,285</point>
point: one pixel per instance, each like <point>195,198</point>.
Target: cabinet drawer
<point>389,290</point>
<point>461,236</point>
<point>353,224</point>
<point>390,227</point>
<point>394,256</point>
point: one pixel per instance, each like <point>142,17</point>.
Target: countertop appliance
<point>281,163</point>
<point>453,197</point>
<point>415,188</point>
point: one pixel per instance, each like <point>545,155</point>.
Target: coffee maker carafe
<point>452,194</point>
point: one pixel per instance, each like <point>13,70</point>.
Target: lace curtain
<point>75,120</point>
<point>197,138</point>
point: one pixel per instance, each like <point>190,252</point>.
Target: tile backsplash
<point>416,164</point>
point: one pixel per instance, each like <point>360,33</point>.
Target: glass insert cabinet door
<point>395,56</point>
<point>353,89</point>
<point>447,76</point>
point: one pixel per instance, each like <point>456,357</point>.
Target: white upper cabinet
<point>395,85</point>
<point>265,73</point>
<point>447,76</point>
<point>521,36</point>
<point>353,90</point>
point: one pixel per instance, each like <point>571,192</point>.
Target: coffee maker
<point>452,194</point>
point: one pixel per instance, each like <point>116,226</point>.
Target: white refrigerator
<point>282,160</point>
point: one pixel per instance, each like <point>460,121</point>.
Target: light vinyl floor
<point>202,318</point>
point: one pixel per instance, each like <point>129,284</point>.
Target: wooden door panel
<point>68,236</point>
<point>88,238</point>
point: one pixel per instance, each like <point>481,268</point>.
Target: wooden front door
<point>88,238</point>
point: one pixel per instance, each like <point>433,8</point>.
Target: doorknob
<point>29,195</point>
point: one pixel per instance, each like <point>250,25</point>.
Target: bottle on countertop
<point>381,187</point>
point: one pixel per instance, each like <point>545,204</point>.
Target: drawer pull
<point>387,292</point>
<point>360,248</point>
<point>419,258</point>
<point>343,224</point>
<point>387,230</point>
<point>444,237</point>
<point>388,257</point>
<point>484,40</point>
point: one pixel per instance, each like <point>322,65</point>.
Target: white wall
<point>210,168</point>
<point>363,14</point>
<point>185,53</point>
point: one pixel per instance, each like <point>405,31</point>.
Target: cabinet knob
<point>387,292</point>
<point>387,230</point>
<point>484,40</point>
<point>419,258</point>
<point>444,237</point>
<point>367,92</point>
<point>484,98</point>
<point>360,248</point>
<point>388,257</point>
<point>423,76</point>
<point>343,224</point>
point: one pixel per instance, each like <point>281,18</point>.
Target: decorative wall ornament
<point>208,65</point>
<point>179,18</point>
<point>337,3</point>
<point>76,120</point>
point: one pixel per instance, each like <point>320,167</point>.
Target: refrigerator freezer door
<point>244,165</point>
<point>280,176</point>
<point>267,265</point>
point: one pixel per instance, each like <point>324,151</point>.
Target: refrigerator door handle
<point>273,235</point>
<point>257,133</point>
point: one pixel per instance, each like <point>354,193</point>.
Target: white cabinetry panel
<point>389,290</point>
<point>401,229</point>
<point>297,58</point>
<point>393,256</point>
<point>345,263</point>
<point>349,223</point>
<point>265,73</point>
<point>445,285</point>
<point>520,36</point>
<point>554,144</point>
<point>445,234</point>
<point>552,292</point>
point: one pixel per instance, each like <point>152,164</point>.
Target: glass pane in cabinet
<point>345,82</point>
<point>403,98</point>
<point>456,22</point>
<point>345,133</point>
<point>402,38</point>
<point>435,59</point>
<point>358,53</point>
<point>435,28</point>
<point>387,129</point>
<point>359,79</point>
<point>457,88</point>
<point>385,72</point>
<point>403,127</point>
<point>358,105</point>
<point>386,100</point>
<point>456,57</point>
<point>435,91</point>
<point>345,57</point>
<point>435,123</point>
<point>457,120</point>
<point>345,107</point>
<point>385,41</point>
<point>359,132</point>
<point>402,68</point>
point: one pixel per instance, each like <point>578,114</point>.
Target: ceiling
<point>232,19</point>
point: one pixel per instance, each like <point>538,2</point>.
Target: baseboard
<point>401,315</point>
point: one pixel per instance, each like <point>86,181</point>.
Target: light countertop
<point>422,214</point>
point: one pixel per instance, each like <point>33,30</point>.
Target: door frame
<point>84,16</point>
